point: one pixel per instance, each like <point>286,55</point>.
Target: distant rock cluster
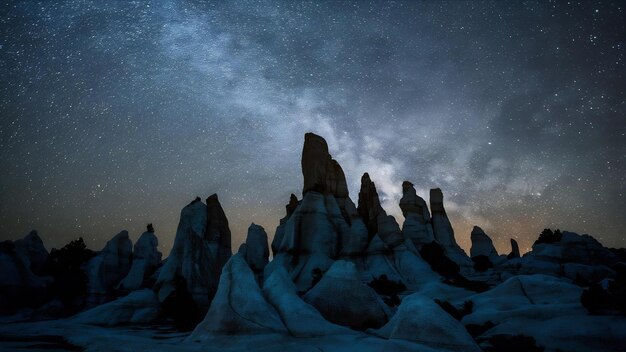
<point>336,269</point>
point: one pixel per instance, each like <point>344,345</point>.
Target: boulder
<point>343,299</point>
<point>238,306</point>
<point>421,320</point>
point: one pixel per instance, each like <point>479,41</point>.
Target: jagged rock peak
<point>217,230</point>
<point>321,172</point>
<point>443,231</point>
<point>33,251</point>
<point>290,208</point>
<point>482,244</point>
<point>369,205</point>
<point>514,250</point>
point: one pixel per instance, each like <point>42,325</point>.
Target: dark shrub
<point>482,263</point>
<point>608,299</point>
<point>478,329</point>
<point>435,256</point>
<point>547,236</point>
<point>66,267</point>
<point>513,343</point>
<point>388,289</point>
<point>461,281</point>
<point>181,307</point>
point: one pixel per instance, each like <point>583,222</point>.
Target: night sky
<point>114,114</point>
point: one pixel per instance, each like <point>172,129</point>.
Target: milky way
<point>116,114</point>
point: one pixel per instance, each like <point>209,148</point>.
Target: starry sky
<point>114,114</point>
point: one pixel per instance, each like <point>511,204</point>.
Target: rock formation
<point>202,242</point>
<point>300,318</point>
<point>482,244</point>
<point>256,250</point>
<point>239,305</point>
<point>443,231</point>
<point>321,172</point>
<point>421,320</point>
<point>514,250</point>
<point>19,287</point>
<point>369,205</point>
<point>108,268</point>
<point>146,259</point>
<point>574,256</point>
<point>280,230</point>
<point>218,231</point>
<point>343,299</point>
<point>32,251</point>
<point>417,225</point>
<point>138,307</point>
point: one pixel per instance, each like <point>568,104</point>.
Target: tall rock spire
<point>321,172</point>
<point>218,231</point>
<point>444,233</point>
<point>514,250</point>
<point>417,223</point>
<point>369,205</point>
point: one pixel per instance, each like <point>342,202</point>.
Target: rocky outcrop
<point>321,172</point>
<point>417,225</point>
<point>482,244</point>
<point>514,250</point>
<point>421,320</point>
<point>343,299</point>
<point>194,258</point>
<point>577,257</point>
<point>442,229</point>
<point>369,205</point>
<point>280,230</point>
<point>218,231</point>
<point>444,233</point>
<point>19,287</point>
<point>146,259</point>
<point>108,268</point>
<point>238,306</point>
<point>138,307</point>
<point>300,318</point>
<point>32,251</point>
